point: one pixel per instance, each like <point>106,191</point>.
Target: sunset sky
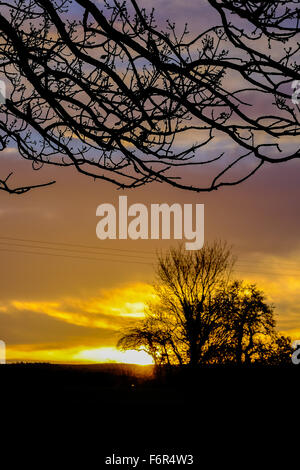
<point>64,294</point>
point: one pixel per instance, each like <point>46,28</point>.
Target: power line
<point>97,248</point>
<point>70,250</point>
<point>127,258</point>
<point>75,245</point>
<point>74,257</point>
<point>122,261</point>
<point>257,263</point>
<point>267,273</point>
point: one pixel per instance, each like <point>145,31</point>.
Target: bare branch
<point>121,100</point>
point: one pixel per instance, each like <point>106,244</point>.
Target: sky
<point>65,295</point>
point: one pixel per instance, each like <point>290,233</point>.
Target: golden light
<point>78,356</point>
<point>107,310</point>
<point>114,355</point>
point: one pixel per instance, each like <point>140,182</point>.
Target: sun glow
<point>78,355</point>
<point>105,314</point>
<point>114,355</point>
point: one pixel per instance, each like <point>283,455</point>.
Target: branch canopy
<point>123,98</point>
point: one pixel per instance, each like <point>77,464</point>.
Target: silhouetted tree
<point>183,324</point>
<point>114,95</point>
<point>200,316</point>
<point>278,351</point>
<point>156,337</point>
<point>250,323</point>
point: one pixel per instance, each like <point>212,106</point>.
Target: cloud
<point>279,278</point>
<point>106,309</point>
<point>67,328</point>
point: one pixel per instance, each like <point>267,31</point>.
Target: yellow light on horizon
<point>78,355</point>
<point>114,355</point>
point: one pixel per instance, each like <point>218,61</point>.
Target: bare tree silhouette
<point>123,100</point>
<point>200,316</point>
<point>182,325</point>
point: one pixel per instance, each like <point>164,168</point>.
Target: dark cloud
<point>25,327</point>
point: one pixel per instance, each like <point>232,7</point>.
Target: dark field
<point>133,385</point>
<point>90,411</point>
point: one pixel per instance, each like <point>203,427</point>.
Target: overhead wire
<point>8,244</point>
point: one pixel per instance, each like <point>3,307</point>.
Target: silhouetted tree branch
<point>123,100</point>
